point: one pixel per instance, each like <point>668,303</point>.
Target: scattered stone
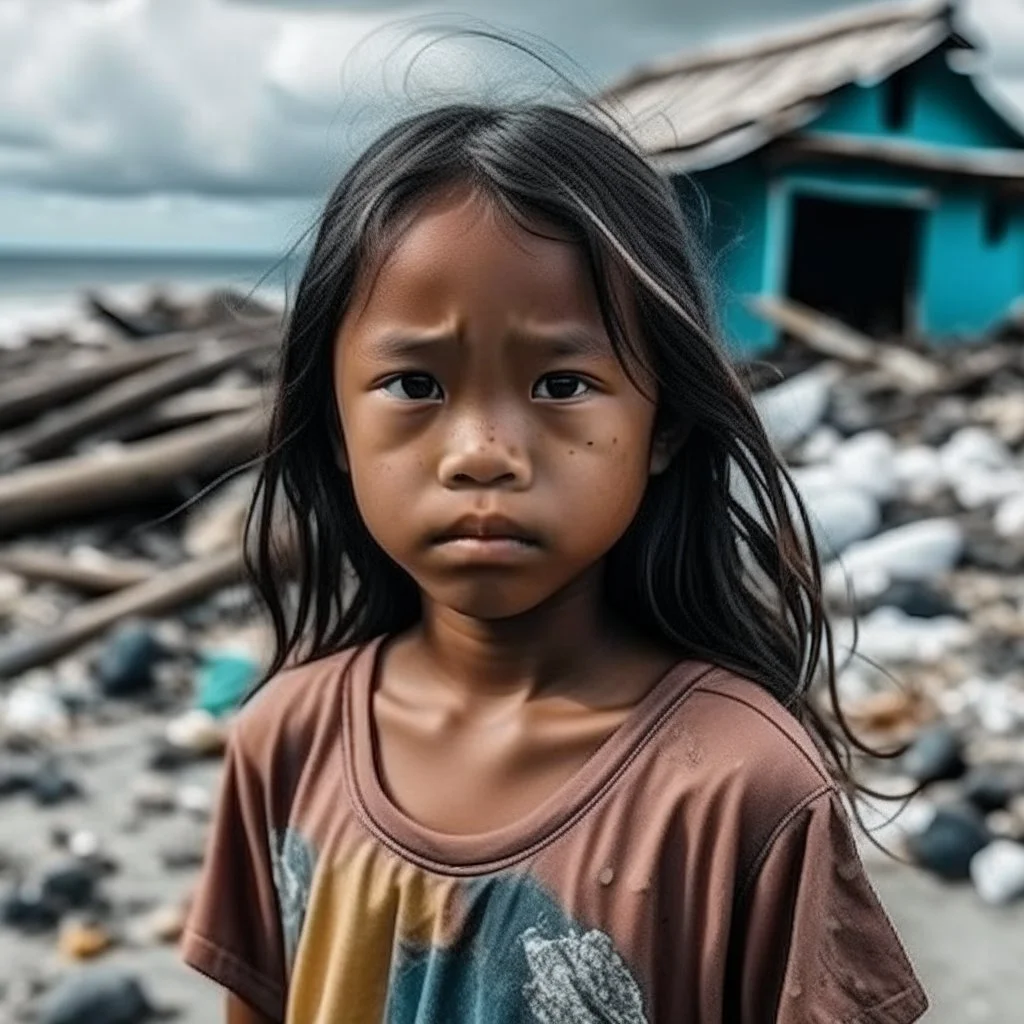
<point>163,925</point>
<point>890,636</point>
<point>125,666</point>
<point>152,794</point>
<point>936,754</point>
<point>69,886</point>
<point>225,677</point>
<point>34,711</point>
<point>26,908</point>
<point>82,940</point>
<point>51,786</point>
<point>185,851</point>
<point>998,871</point>
<point>791,410</point>
<point>197,733</point>
<point>196,801</point>
<point>97,997</point>
<point>919,599</point>
<point>917,551</point>
<point>950,841</point>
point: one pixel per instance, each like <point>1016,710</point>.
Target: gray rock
<point>97,996</point>
<point>947,846</point>
<point>936,754</point>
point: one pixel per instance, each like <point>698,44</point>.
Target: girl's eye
<point>560,386</point>
<point>414,387</point>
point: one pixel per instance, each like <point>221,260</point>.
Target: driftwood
<point>912,373</point>
<point>60,381</point>
<point>171,589</point>
<point>101,577</point>
<point>57,431</point>
<point>65,488</point>
<point>184,410</point>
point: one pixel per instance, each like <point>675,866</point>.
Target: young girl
<point>537,745</point>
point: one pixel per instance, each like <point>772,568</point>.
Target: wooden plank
<point>909,371</point>
<point>171,589</point>
<point>100,577</point>
<point>57,431</point>
<point>61,380</point>
<point>65,488</point>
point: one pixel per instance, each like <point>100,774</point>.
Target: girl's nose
<point>477,461</point>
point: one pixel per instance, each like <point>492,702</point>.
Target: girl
<point>538,745</point>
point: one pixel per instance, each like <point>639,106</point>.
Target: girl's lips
<point>490,549</point>
<point>489,528</point>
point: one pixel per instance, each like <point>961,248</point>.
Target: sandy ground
<point>970,957</point>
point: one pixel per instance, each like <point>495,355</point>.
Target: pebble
<point>197,732</point>
<point>81,940</point>
<point>163,925</point>
<point>153,794</point>
<point>125,665</point>
<point>1009,517</point>
<point>840,517</point>
<point>998,871</point>
<point>791,410</point>
<point>920,550</point>
<point>865,463</point>
<point>25,907</point>
<point>935,754</point>
<point>94,996</point>
<point>890,636</point>
<point>71,885</point>
<point>950,841</point>
<point>51,786</point>
<point>33,710</point>
<point>195,800</point>
<point>991,787</point>
<point>186,850</point>
<point>919,599</point>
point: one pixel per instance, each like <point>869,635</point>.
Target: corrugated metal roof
<point>701,110</point>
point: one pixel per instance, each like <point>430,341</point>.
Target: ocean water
<point>42,291</point>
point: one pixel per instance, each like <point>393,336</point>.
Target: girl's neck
<point>546,648</point>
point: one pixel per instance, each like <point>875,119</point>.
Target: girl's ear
<point>666,446</point>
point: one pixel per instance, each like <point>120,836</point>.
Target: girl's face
<point>496,446</point>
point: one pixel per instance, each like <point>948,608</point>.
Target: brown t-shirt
<point>699,869</point>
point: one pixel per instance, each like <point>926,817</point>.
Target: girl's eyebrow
<point>565,341</point>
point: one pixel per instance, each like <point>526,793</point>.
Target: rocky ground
<point>126,637</point>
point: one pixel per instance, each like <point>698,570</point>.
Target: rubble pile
<point>128,638</point>
<point>910,462</point>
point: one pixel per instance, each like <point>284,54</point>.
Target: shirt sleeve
<point>818,946</point>
<point>233,933</point>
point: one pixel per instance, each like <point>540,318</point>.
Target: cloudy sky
<point>215,124</point>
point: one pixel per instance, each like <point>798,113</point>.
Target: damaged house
<point>856,165</point>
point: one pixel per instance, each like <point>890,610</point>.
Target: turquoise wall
<point>967,281</point>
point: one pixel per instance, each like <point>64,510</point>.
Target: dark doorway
<point>856,262</point>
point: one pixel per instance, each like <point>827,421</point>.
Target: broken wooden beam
<point>65,488</point>
<point>829,337</point>
<point>191,581</point>
<point>56,432</point>
<point>103,575</point>
<point>62,380</point>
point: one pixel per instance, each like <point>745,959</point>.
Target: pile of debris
<point>911,464</point>
<point>129,636</point>
<point>126,443</point>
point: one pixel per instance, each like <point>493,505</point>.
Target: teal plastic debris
<point>224,678</point>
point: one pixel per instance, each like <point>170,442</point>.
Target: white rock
<point>866,462</point>
<point>34,711</point>
<point>973,447</point>
<point>998,871</point>
<point>976,487</point>
<point>916,551</point>
<point>84,844</point>
<point>1009,517</point>
<point>820,445</point>
<point>919,473</point>
<point>197,731</point>
<point>997,704</point>
<point>12,589</point>
<point>195,800</point>
<point>890,636</point>
<point>841,517</point>
<point>793,409</point>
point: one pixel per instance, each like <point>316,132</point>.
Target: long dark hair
<point>719,561</point>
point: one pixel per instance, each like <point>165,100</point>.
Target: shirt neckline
<point>499,848</point>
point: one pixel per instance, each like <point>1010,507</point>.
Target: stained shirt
<point>699,869</point>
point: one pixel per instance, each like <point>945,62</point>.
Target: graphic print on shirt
<point>516,952</point>
<point>293,861</point>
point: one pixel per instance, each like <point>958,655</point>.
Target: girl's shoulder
<point>292,707</point>
<point>734,736</point>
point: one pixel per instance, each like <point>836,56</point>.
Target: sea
<point>41,291</point>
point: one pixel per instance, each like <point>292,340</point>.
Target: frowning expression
<point>497,447</point>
